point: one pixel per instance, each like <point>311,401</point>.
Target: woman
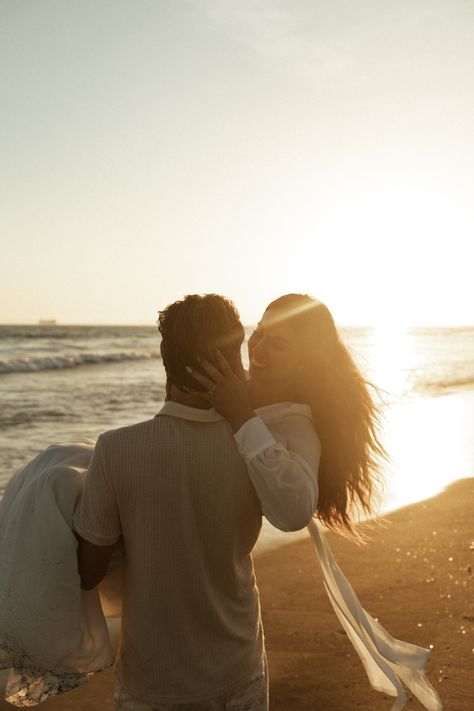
<point>300,368</point>
<point>296,356</point>
<point>300,372</point>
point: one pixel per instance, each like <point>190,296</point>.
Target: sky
<point>150,149</point>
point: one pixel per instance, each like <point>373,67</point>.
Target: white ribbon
<point>387,661</point>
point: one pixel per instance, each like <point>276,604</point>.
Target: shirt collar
<point>176,409</point>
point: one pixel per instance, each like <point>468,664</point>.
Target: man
<point>176,490</point>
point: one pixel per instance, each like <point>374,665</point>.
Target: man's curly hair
<point>195,327</point>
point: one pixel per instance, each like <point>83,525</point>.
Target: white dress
<point>53,634</point>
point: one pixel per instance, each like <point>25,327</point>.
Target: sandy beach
<point>415,576</point>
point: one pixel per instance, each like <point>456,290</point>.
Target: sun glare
<point>388,356</point>
<point>416,437</point>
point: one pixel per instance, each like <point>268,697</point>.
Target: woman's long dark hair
<point>345,414</point>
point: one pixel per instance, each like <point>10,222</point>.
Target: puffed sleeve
<point>282,462</point>
<point>96,518</point>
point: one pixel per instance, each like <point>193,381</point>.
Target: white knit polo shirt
<point>177,491</point>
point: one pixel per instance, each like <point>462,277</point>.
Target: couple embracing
<point>183,495</point>
<point>186,492</point>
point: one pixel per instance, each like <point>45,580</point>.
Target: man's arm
<point>92,561</point>
<point>96,521</point>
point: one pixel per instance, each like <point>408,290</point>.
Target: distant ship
<point>47,322</point>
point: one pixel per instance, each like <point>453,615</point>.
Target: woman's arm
<point>282,462</point>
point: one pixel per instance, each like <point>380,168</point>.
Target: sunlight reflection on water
<point>430,444</point>
<point>429,440</point>
<point>388,356</point>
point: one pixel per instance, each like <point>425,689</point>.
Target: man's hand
<point>93,562</point>
<point>226,391</point>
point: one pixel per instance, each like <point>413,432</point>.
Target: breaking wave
<point>72,360</point>
<point>444,384</point>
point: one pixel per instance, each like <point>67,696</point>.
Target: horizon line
<point>139,324</point>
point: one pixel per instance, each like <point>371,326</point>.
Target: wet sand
<point>415,576</point>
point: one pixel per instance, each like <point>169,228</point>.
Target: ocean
<point>60,383</point>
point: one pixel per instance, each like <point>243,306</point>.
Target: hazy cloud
<point>277,33</point>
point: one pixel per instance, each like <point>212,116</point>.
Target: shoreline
<point>415,576</point>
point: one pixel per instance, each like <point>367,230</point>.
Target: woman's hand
<point>226,392</point>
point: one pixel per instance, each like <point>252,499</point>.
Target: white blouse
<point>282,452</point>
